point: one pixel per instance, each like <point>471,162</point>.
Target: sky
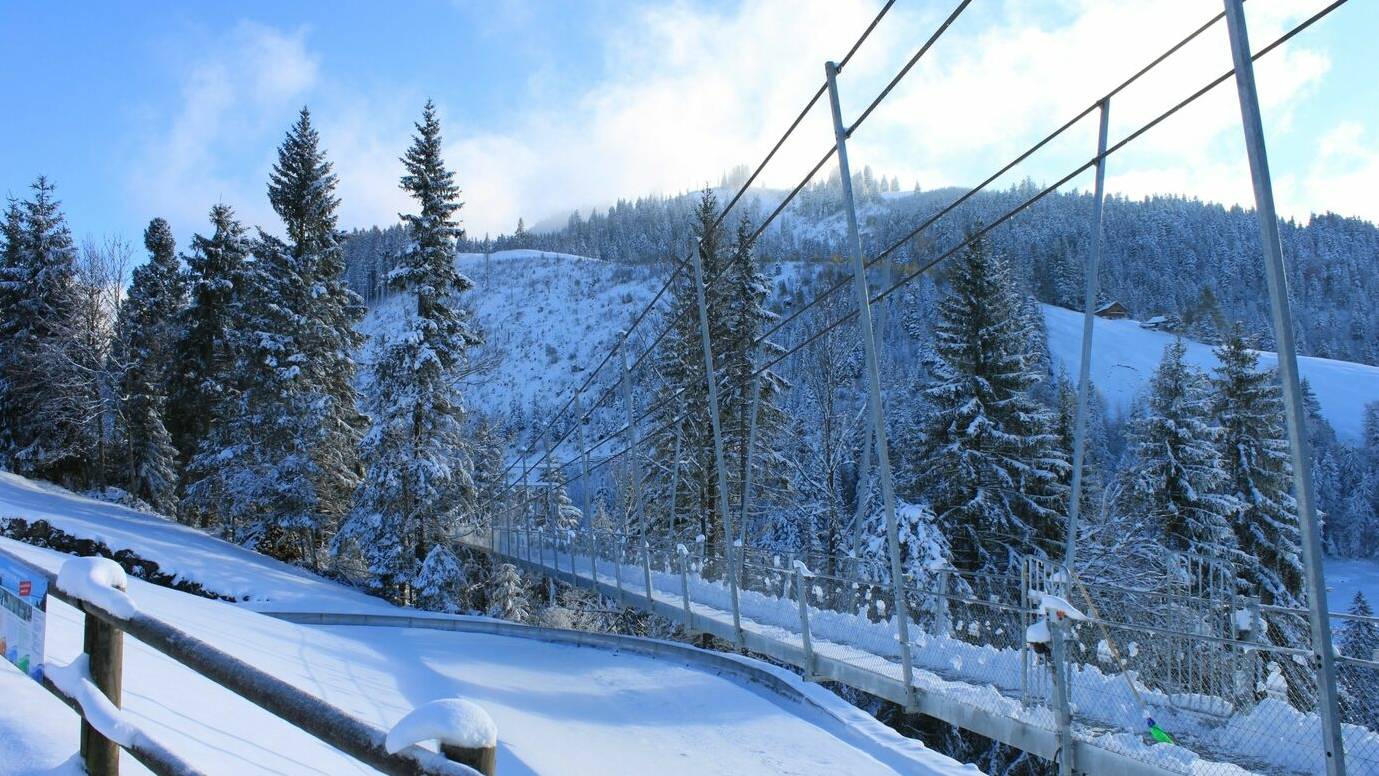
<point>146,109</point>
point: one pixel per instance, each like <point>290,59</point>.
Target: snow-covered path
<point>560,709</point>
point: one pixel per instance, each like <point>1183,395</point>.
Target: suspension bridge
<point>1099,678</point>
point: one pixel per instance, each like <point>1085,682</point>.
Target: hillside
<point>547,316</point>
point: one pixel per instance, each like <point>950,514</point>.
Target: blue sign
<point>23,591</point>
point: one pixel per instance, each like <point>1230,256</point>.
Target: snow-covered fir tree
<point>202,373</point>
<point>323,314</point>
<point>440,582</point>
<point>1254,453</point>
<point>1359,639</point>
<point>991,468</point>
<point>47,413</point>
<point>145,333</point>
<point>682,396</point>
<point>253,472</point>
<point>557,510</point>
<point>12,284</point>
<point>1176,480</point>
<point>744,303</point>
<point>419,477</point>
<point>735,296</point>
<point>507,594</point>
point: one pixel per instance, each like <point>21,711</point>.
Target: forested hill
<point>1195,261</point>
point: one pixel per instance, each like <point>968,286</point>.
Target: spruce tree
<point>744,304</point>
<point>1359,639</point>
<point>254,471</point>
<point>320,316</point>
<point>44,383</point>
<point>682,395</point>
<point>735,297</point>
<point>12,282</point>
<point>991,469</point>
<point>204,381</point>
<point>419,478</point>
<point>439,584</point>
<point>558,511</point>
<point>1254,453</point>
<point>145,331</point>
<point>1176,480</point>
<point>507,594</point>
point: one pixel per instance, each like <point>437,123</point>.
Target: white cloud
<point>689,93</point>
<point>246,86</point>
<point>1342,177</point>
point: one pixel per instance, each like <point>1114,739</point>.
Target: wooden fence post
<point>482,759</point>
<point>104,647</point>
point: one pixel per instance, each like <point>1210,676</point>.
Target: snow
<point>38,733</point>
<point>538,341</point>
<point>560,709</point>
<point>74,679</point>
<point>1347,576</point>
<point>1038,632</point>
<point>1125,356</point>
<point>453,721</point>
<point>1056,606</point>
<point>260,583</point>
<point>98,581</point>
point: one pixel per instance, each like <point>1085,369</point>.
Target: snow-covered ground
<point>1124,357</point>
<point>187,553</point>
<point>559,709</point>
<point>546,317</point>
<point>38,733</point>
<point>1345,577</point>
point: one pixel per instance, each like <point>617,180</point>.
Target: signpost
<point>23,591</point>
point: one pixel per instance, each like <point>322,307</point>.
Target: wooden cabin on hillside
<point>1114,311</point>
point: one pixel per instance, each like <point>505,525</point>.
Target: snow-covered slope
<point>549,316</point>
<point>546,317</point>
<point>222,568</point>
<point>559,709</point>
<point>1125,356</point>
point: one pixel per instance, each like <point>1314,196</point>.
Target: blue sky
<point>144,109</point>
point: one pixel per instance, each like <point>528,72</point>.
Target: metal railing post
<point>802,593</point>
<point>674,484</point>
<point>584,460</point>
<point>747,473</point>
<point>1324,657</point>
<point>526,512</point>
<point>729,535</point>
<point>878,410</point>
<point>941,626</point>
<point>646,573</point>
<point>1084,375</point>
<point>1062,708</point>
<point>684,586</point>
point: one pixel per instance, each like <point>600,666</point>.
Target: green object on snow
<point>1158,733</point>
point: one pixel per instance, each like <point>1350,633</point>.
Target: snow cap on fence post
<point>98,581</point>
<point>466,733</point>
